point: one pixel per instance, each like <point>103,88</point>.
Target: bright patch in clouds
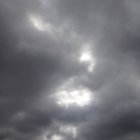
<point>39,24</point>
<point>53,137</point>
<point>60,31</point>
<point>78,97</point>
<point>69,129</point>
<point>87,57</point>
<point>62,130</point>
<point>69,94</point>
<point>56,137</point>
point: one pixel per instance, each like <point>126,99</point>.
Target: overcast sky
<point>69,69</point>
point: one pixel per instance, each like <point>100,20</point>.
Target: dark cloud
<point>39,56</point>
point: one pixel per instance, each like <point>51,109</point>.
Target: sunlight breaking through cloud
<point>86,57</point>
<point>78,97</point>
<point>69,94</point>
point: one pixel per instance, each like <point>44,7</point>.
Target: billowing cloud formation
<point>69,69</point>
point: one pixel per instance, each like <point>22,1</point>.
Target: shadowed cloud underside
<point>69,70</point>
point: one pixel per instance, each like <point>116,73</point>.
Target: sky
<point>69,70</point>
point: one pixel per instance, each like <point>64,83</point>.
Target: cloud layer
<point>69,69</point>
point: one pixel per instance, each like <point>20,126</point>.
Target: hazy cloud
<point>69,69</point>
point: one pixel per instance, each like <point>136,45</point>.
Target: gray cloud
<point>38,58</point>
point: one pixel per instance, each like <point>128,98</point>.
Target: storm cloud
<point>69,69</point>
